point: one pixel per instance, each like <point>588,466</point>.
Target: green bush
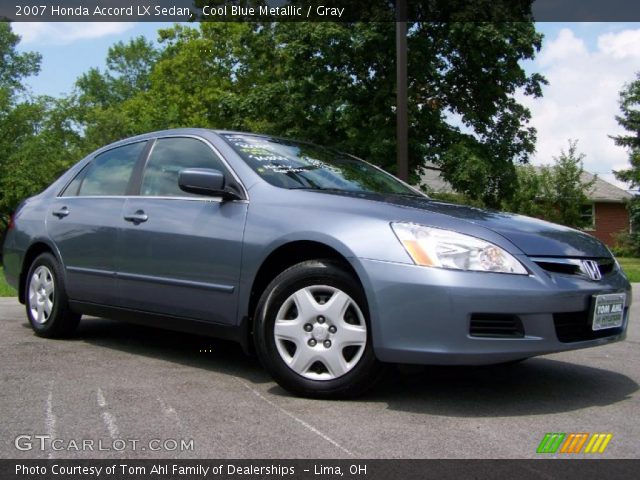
<point>627,245</point>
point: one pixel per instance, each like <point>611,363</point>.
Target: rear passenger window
<point>168,157</point>
<point>74,185</point>
<point>110,172</point>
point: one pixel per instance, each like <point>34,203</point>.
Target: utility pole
<point>402,119</point>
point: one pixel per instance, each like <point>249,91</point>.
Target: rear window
<point>110,172</point>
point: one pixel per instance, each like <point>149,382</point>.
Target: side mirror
<point>203,181</point>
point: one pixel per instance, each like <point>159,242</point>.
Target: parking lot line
<point>297,419</point>
<point>107,416</point>
<point>49,417</point>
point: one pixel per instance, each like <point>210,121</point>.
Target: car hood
<point>533,236</point>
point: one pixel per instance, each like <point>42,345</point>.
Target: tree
<point>528,197</point>
<point>101,98</point>
<point>14,66</point>
<point>630,121</point>
<point>566,192</point>
<point>556,193</point>
<point>38,140</point>
<point>15,117</point>
<point>45,148</point>
<point>334,84</point>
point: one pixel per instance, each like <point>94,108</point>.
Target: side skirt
<point>236,333</point>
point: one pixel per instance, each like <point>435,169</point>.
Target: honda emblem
<point>591,268</point>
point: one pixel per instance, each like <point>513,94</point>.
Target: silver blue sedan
<point>324,265</point>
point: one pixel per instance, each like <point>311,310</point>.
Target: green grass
<point>631,267</point>
<point>5,289</point>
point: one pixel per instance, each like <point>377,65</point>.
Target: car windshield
<point>298,165</point>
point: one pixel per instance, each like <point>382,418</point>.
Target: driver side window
<point>168,157</point>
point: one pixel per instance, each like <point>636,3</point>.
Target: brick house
<point>606,211</point>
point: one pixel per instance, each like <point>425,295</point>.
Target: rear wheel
<point>313,334</point>
<point>46,299</point>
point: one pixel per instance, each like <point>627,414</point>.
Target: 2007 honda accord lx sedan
<point>324,264</point>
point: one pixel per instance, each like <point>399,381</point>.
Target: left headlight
<point>437,247</point>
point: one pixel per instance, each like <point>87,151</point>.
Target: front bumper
<point>424,315</point>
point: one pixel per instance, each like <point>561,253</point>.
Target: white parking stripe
<point>50,418</point>
<point>299,420</point>
<point>169,411</point>
<point>108,419</point>
<point>101,400</point>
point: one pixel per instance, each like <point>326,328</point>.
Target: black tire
<point>61,321</point>
<point>367,370</point>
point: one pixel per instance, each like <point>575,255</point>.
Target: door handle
<point>137,217</point>
<point>61,213</point>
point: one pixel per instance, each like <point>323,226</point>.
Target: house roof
<point>433,180</point>
<point>601,191</point>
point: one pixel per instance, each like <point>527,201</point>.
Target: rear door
<point>179,253</point>
<point>84,221</point>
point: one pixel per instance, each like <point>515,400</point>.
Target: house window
<point>588,215</point>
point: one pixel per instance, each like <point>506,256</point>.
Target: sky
<point>586,64</point>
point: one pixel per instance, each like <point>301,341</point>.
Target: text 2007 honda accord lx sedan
<point>326,265</point>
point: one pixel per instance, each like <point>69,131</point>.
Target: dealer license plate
<point>608,311</point>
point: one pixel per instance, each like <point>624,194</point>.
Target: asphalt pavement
<point>121,391</point>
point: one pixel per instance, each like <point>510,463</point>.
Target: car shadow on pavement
<point>537,386</point>
<point>195,351</point>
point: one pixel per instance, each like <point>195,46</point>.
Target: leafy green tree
<point>45,150</point>
<point>556,193</point>
<point>566,192</point>
<point>15,118</point>
<point>127,74</point>
<point>528,197</point>
<point>101,98</point>
<point>38,139</point>
<point>14,66</point>
<point>629,119</point>
<point>334,84</point>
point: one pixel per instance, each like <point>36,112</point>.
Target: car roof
<point>186,131</point>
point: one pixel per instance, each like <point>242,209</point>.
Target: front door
<point>179,253</point>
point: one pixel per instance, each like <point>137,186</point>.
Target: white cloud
<point>581,100</point>
<point>622,45</point>
<point>62,33</point>
<point>567,45</point>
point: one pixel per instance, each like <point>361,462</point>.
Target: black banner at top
<point>320,10</point>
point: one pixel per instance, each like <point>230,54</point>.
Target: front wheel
<point>46,299</point>
<point>312,332</point>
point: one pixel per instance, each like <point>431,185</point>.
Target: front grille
<point>576,327</point>
<point>496,325</point>
<point>606,267</point>
<point>573,266</point>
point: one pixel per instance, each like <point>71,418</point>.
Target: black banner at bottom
<point>583,469</point>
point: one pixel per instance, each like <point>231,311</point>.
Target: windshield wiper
<point>364,192</point>
<point>407,194</point>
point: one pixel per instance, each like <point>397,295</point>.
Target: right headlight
<point>437,247</point>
